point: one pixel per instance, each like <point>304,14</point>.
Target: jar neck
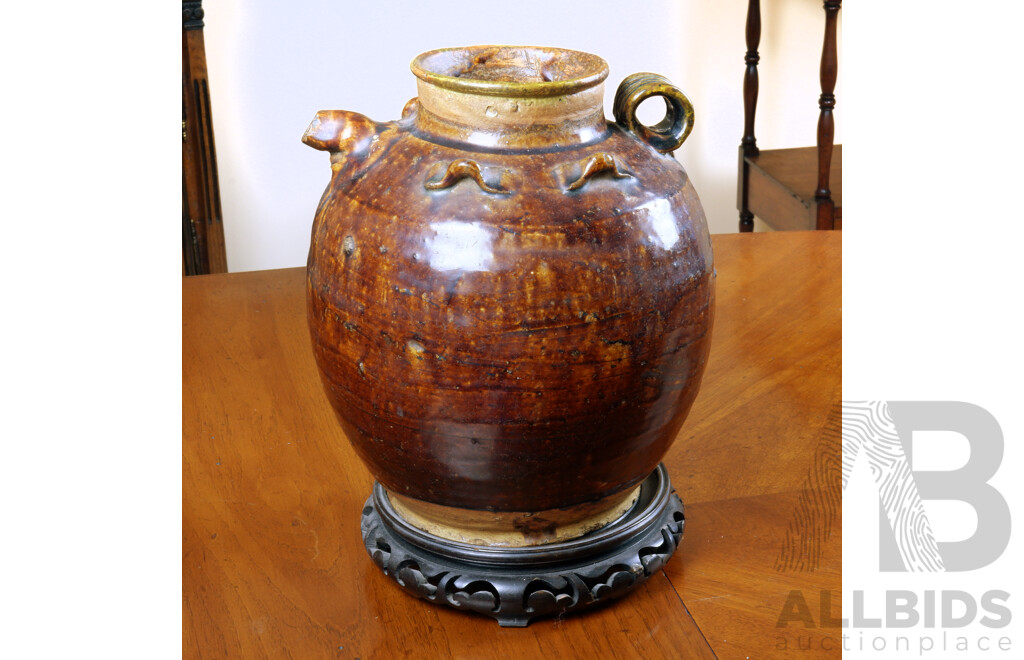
<point>511,122</point>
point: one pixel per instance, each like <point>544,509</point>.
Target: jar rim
<point>521,71</point>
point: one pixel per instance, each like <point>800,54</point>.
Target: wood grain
<point>782,186</point>
<point>728,579</point>
<point>272,561</point>
<point>774,372</point>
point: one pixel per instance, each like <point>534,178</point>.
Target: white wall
<point>272,65</point>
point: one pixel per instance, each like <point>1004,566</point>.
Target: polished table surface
<point>272,559</point>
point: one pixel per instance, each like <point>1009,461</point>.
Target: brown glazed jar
<point>510,298</point>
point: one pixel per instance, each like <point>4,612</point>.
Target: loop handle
<point>667,135</point>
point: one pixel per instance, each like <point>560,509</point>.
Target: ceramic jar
<point>510,298</point>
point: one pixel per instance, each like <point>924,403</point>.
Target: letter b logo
<point>883,431</point>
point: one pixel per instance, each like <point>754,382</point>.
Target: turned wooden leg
<point>202,226</point>
<point>748,146</point>
<point>826,122</point>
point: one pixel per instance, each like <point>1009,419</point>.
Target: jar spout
<point>341,132</point>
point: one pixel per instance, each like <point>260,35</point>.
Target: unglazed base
<point>516,585</point>
<point>515,529</point>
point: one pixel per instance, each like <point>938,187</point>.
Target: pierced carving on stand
<point>595,165</point>
<point>478,595</point>
<point>412,578</point>
<point>516,585</point>
<point>458,170</point>
<point>551,596</point>
<point>614,582</point>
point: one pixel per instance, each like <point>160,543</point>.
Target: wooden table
<point>272,560</point>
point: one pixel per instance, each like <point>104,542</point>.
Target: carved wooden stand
<point>516,585</point>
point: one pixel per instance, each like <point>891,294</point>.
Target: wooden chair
<point>791,188</point>
<point>202,228</point>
